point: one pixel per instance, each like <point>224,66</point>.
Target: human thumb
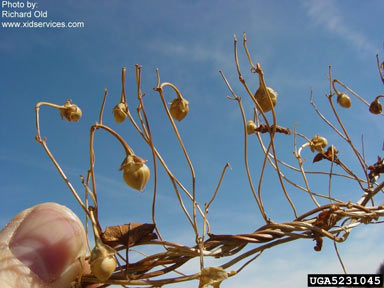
<point>41,247</point>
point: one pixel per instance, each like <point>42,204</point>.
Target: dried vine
<point>109,259</point>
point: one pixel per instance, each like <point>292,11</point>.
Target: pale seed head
<point>102,261</point>
<point>70,112</point>
<point>120,112</point>
<point>344,100</point>
<point>318,143</point>
<point>135,172</point>
<point>179,108</point>
<point>263,99</point>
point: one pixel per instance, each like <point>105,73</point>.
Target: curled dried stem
<point>160,90</point>
<point>43,143</point>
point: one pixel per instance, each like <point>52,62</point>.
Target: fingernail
<point>48,240</point>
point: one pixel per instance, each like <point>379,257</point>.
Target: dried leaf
<point>212,276</point>
<point>128,234</point>
<point>268,129</point>
<point>330,155</point>
<point>327,219</point>
<point>319,243</point>
<point>318,157</point>
<point>376,170</point>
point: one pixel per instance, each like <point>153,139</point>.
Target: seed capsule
<point>70,112</point>
<point>344,100</point>
<point>179,108</point>
<point>120,112</point>
<point>135,172</point>
<point>263,99</point>
<point>102,261</point>
<point>251,126</point>
<point>318,143</point>
<point>376,107</point>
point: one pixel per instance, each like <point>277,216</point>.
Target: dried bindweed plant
<point>109,259</point>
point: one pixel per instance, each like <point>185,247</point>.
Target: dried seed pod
<point>70,112</point>
<point>102,261</point>
<point>135,172</point>
<point>120,112</point>
<point>212,276</point>
<point>179,108</point>
<point>262,98</point>
<point>251,126</point>
<point>344,100</point>
<point>318,143</point>
<point>331,152</point>
<point>376,107</point>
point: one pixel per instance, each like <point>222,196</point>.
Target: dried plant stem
<point>248,262</point>
<point>159,89</point>
<point>149,138</point>
<point>300,161</point>
<point>165,166</point>
<point>369,194</point>
<point>348,139</point>
<point>339,257</point>
<point>380,66</point>
<point>360,181</point>
<point>153,283</point>
<point>298,170</point>
<point>87,190</point>
<point>92,164</point>
<point>241,79</point>
<point>218,186</point>
<point>257,197</point>
<point>206,206</point>
<point>43,142</point>
<point>333,153</point>
<point>123,98</point>
<point>96,230</point>
<point>349,89</point>
<point>102,106</point>
<point>37,110</point>
<point>324,118</point>
<point>258,70</point>
<point>256,250</point>
<point>333,221</point>
<point>271,145</point>
<point>127,148</point>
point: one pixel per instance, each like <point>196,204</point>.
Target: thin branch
<point>258,70</point>
<point>43,142</point>
<point>218,186</point>
<point>300,161</point>
<point>257,197</point>
<point>159,89</point>
<point>347,138</point>
<point>150,142</point>
<point>102,106</point>
<point>380,67</point>
<point>324,118</point>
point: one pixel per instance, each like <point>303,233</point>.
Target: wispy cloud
<point>325,13</point>
<point>197,52</point>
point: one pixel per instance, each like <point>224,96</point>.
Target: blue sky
<point>189,41</point>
